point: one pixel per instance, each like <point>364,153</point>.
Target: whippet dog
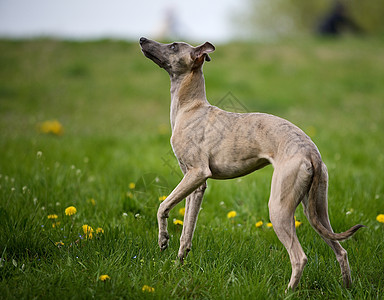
<point>212,143</point>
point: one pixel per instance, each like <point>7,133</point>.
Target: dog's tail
<point>317,203</point>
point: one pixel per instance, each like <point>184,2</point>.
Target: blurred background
<point>219,21</point>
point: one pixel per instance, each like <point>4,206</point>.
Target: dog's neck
<point>187,91</point>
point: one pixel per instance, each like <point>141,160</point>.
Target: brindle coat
<point>212,143</point>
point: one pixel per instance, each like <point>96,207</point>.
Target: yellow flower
<point>59,244</point>
<point>177,222</point>
<point>148,289</point>
<point>297,223</point>
<point>52,216</point>
<point>87,229</point>
<point>104,277</point>
<point>51,126</point>
<point>162,198</point>
<point>182,211</point>
<point>259,224</point>
<point>71,210</point>
<point>55,224</point>
<point>269,225</point>
<point>231,214</point>
<point>380,218</point>
<point>132,185</point>
<point>99,230</point>
<point>92,201</point>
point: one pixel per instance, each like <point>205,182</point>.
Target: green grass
<point>113,104</point>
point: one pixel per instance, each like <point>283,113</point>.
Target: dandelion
<point>269,225</point>
<point>162,198</point>
<point>148,289</point>
<point>88,230</point>
<point>132,185</point>
<point>297,223</point>
<point>59,244</point>
<point>104,278</point>
<point>231,214</point>
<point>177,222</point>
<point>99,230</point>
<point>182,211</point>
<point>53,216</point>
<point>51,126</point>
<point>70,210</point>
<point>91,201</point>
<point>259,224</point>
<point>55,224</point>
<point>380,218</point>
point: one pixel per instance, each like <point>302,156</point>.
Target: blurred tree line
<point>265,18</point>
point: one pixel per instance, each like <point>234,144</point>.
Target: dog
<point>212,143</point>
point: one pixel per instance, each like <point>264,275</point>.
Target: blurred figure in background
<point>337,21</point>
<point>170,26</point>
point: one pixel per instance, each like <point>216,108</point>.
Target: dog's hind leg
<point>192,208</point>
<point>192,179</point>
<point>290,183</point>
<point>322,213</point>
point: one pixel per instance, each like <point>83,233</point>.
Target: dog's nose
<point>142,40</point>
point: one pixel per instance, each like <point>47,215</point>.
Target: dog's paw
<point>163,240</point>
<point>183,253</point>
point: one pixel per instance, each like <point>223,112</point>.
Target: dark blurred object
<point>337,21</point>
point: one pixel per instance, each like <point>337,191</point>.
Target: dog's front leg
<point>190,182</point>
<point>192,208</point>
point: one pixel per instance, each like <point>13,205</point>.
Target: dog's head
<point>176,58</point>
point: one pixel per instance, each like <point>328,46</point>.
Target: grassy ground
<point>113,106</point>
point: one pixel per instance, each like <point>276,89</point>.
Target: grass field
<point>109,156</point>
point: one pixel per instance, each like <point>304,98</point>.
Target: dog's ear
<point>200,53</point>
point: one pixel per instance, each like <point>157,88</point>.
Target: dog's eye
<point>173,47</point>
